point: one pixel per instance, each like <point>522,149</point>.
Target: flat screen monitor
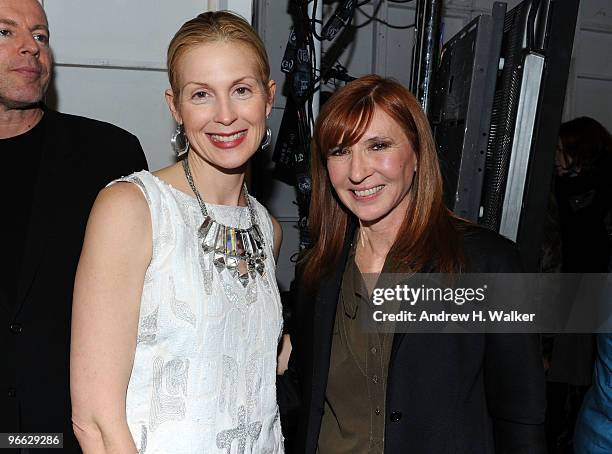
<point>463,91</point>
<point>497,126</point>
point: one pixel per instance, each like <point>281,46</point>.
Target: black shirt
<point>21,156</point>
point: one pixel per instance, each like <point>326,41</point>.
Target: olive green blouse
<point>354,412</point>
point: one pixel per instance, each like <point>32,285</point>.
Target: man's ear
<point>170,99</point>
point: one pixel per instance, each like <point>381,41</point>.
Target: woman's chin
<point>387,219</point>
<point>227,162</point>
<point>369,218</point>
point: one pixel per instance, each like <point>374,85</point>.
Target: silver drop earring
<point>179,141</point>
<point>267,140</point>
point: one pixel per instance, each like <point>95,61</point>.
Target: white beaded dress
<point>203,379</point>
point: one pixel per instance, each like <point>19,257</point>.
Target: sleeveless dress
<point>203,379</point>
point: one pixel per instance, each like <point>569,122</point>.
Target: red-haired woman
<point>377,206</point>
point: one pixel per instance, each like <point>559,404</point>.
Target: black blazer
<point>80,156</point>
<point>446,393</point>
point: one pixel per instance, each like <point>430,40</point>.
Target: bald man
<point>53,165</point>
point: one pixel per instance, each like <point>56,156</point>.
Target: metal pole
<point>416,51</point>
<point>426,50</point>
<point>317,50</point>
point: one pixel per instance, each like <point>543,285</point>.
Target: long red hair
<point>428,235</point>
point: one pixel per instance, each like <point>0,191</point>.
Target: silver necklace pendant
<point>240,251</point>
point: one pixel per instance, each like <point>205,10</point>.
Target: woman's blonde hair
<point>213,26</point>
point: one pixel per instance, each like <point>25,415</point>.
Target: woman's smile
<point>367,194</point>
<point>227,141</point>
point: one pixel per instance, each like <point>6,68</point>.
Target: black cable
<point>397,27</point>
<point>374,18</point>
<point>370,18</point>
<point>313,62</point>
<point>308,113</point>
<point>309,34</point>
<point>302,96</point>
<point>313,21</point>
<point>304,102</point>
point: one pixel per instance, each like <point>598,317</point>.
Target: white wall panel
<point>594,54</point>
<point>275,38</point>
<point>132,33</point>
<point>130,99</point>
<point>242,7</point>
<point>487,4</point>
<point>465,4</point>
<point>590,84</point>
<point>593,99</point>
<point>394,49</point>
<point>596,15</point>
<point>284,270</point>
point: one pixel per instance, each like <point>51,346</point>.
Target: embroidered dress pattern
<point>204,371</point>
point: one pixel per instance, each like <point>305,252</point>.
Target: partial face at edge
<point>373,177</point>
<point>223,104</point>
<point>25,57</point>
<point>563,163</point>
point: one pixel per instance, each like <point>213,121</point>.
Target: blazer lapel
<point>397,341</point>
<point>42,217</point>
<point>398,338</point>
<point>324,316</point>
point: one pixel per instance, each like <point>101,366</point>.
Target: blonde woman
<point>177,316</point>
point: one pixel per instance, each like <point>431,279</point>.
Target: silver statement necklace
<point>240,251</point>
